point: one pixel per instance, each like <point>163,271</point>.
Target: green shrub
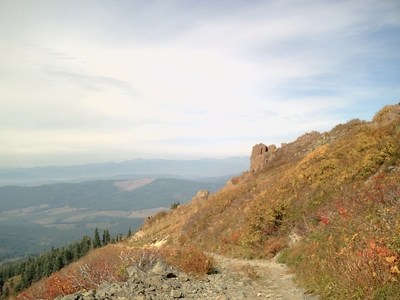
<point>174,205</point>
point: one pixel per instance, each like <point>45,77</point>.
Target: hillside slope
<point>330,200</point>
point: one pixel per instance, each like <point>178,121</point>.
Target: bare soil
<point>263,279</point>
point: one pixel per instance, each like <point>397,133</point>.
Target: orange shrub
<point>274,245</point>
<point>189,259</point>
<point>96,267</point>
<point>235,180</point>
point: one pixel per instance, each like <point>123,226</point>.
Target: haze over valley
<point>34,216</point>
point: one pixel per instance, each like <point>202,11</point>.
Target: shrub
<point>144,258</point>
<point>98,266</point>
<point>189,259</point>
<point>174,205</point>
<point>235,180</point>
<point>274,245</point>
<point>151,220</point>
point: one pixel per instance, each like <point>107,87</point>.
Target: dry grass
<point>356,254</point>
<point>188,259</point>
<point>334,189</point>
<point>324,187</point>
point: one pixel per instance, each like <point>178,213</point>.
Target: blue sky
<point>97,81</point>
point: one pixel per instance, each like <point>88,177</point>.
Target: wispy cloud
<point>95,83</point>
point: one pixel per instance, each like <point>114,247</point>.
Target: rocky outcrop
<point>201,195</point>
<point>260,155</point>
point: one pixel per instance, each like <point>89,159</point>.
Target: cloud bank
<point>115,80</point>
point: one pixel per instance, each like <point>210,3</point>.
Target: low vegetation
<point>330,200</point>
<point>17,277</point>
<point>109,264</point>
<point>353,249</point>
<point>328,203</point>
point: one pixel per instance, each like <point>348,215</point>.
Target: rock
<point>176,294</point>
<point>160,268</point>
<point>154,280</point>
<point>260,155</point>
<point>294,239</point>
<point>272,148</point>
<point>201,195</point>
<point>132,271</point>
<point>135,272</point>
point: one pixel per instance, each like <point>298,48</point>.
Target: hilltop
<point>331,200</point>
<point>326,204</point>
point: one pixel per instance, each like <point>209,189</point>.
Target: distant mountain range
<point>49,206</point>
<point>132,169</point>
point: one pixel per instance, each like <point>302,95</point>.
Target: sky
<point>98,81</point>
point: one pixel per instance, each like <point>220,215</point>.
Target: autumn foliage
<point>358,251</point>
<point>338,193</point>
<point>188,259</point>
<point>109,264</point>
<point>100,265</point>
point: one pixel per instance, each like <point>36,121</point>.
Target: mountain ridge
<point>189,169</point>
<point>309,198</point>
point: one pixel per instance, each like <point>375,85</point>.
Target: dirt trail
<point>263,279</point>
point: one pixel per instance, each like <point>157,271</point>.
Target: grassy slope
<point>334,192</point>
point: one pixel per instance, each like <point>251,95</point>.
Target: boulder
<point>201,195</point>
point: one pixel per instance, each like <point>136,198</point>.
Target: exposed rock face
<point>201,195</point>
<point>260,155</point>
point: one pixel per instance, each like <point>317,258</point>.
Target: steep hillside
<point>330,200</point>
<point>328,204</point>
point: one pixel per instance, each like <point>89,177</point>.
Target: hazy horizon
<point>91,82</point>
<point>128,160</point>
